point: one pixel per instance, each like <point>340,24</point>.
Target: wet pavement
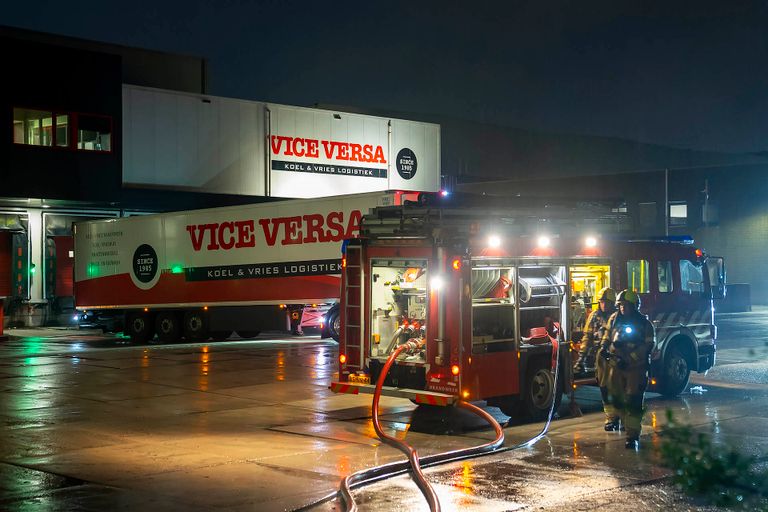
<point>94,423</point>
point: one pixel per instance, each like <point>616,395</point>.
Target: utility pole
<point>666,202</point>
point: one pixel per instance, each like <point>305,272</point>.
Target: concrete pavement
<point>93,423</point>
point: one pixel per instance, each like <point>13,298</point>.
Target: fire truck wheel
<point>248,334</point>
<point>195,327</point>
<point>539,392</point>
<point>675,372</point>
<point>139,327</point>
<point>220,335</point>
<point>168,327</point>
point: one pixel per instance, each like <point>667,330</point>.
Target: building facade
<point>98,131</point>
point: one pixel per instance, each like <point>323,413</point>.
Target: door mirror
<point>716,274</point>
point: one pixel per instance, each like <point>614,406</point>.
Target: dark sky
<point>689,74</point>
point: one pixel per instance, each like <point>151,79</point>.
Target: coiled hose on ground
<point>371,475</point>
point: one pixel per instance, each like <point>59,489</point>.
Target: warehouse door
<point>6,262</point>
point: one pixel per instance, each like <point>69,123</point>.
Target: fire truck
<point>205,273</point>
<point>489,296</point>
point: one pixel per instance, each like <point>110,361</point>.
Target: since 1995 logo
<point>145,264</point>
<point>406,163</point>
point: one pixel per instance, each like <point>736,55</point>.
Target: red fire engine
<point>487,295</point>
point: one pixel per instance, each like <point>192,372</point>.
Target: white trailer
<point>206,273</point>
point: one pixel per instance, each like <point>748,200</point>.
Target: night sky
<point>687,74</point>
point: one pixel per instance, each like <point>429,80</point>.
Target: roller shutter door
<point>64,266</point>
<point>5,264</point>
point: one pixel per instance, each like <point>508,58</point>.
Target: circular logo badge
<point>406,163</point>
<point>145,263</point>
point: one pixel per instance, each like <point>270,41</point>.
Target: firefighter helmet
<point>606,294</point>
<point>628,296</point>
<point>413,273</point>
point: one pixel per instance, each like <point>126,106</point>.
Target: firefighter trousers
<point>611,415</point>
<point>626,392</point>
<point>601,372</point>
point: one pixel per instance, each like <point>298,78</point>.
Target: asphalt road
<point>94,423</point>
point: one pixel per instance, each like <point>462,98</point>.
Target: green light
<point>93,270</point>
<point>32,268</point>
<point>177,269</point>
<point>32,345</point>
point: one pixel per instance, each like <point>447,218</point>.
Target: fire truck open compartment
<point>398,304</point>
<point>493,302</point>
<point>496,307</point>
<point>398,312</point>
<point>587,279</point>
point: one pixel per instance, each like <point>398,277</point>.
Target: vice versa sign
<point>264,236</point>
<point>321,153</point>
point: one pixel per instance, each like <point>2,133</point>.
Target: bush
<point>718,473</point>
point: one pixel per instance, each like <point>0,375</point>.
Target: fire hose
<point>371,475</point>
<point>410,346</point>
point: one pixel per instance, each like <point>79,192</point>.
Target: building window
<point>664,274</point>
<point>32,127</point>
<point>691,278</point>
<point>94,133</point>
<point>637,276</point>
<point>62,130</point>
<point>55,129</point>
<point>678,214</point>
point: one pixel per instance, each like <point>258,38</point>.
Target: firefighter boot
<point>634,419</point>
<point>612,423</point>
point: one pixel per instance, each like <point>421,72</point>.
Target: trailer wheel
<point>675,372</point>
<point>139,327</point>
<point>195,327</point>
<point>168,327</point>
<point>248,334</point>
<point>334,323</point>
<point>539,391</point>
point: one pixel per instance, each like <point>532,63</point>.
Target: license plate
<point>360,379</point>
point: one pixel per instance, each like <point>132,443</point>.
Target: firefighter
<point>626,347</point>
<point>591,340</point>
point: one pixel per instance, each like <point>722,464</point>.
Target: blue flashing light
<point>628,330</point>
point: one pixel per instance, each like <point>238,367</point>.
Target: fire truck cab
<point>492,297</point>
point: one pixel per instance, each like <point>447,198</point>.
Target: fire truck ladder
<point>421,222</point>
<point>353,313</point>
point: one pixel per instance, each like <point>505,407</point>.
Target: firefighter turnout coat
<point>629,340</point>
<point>594,332</point>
